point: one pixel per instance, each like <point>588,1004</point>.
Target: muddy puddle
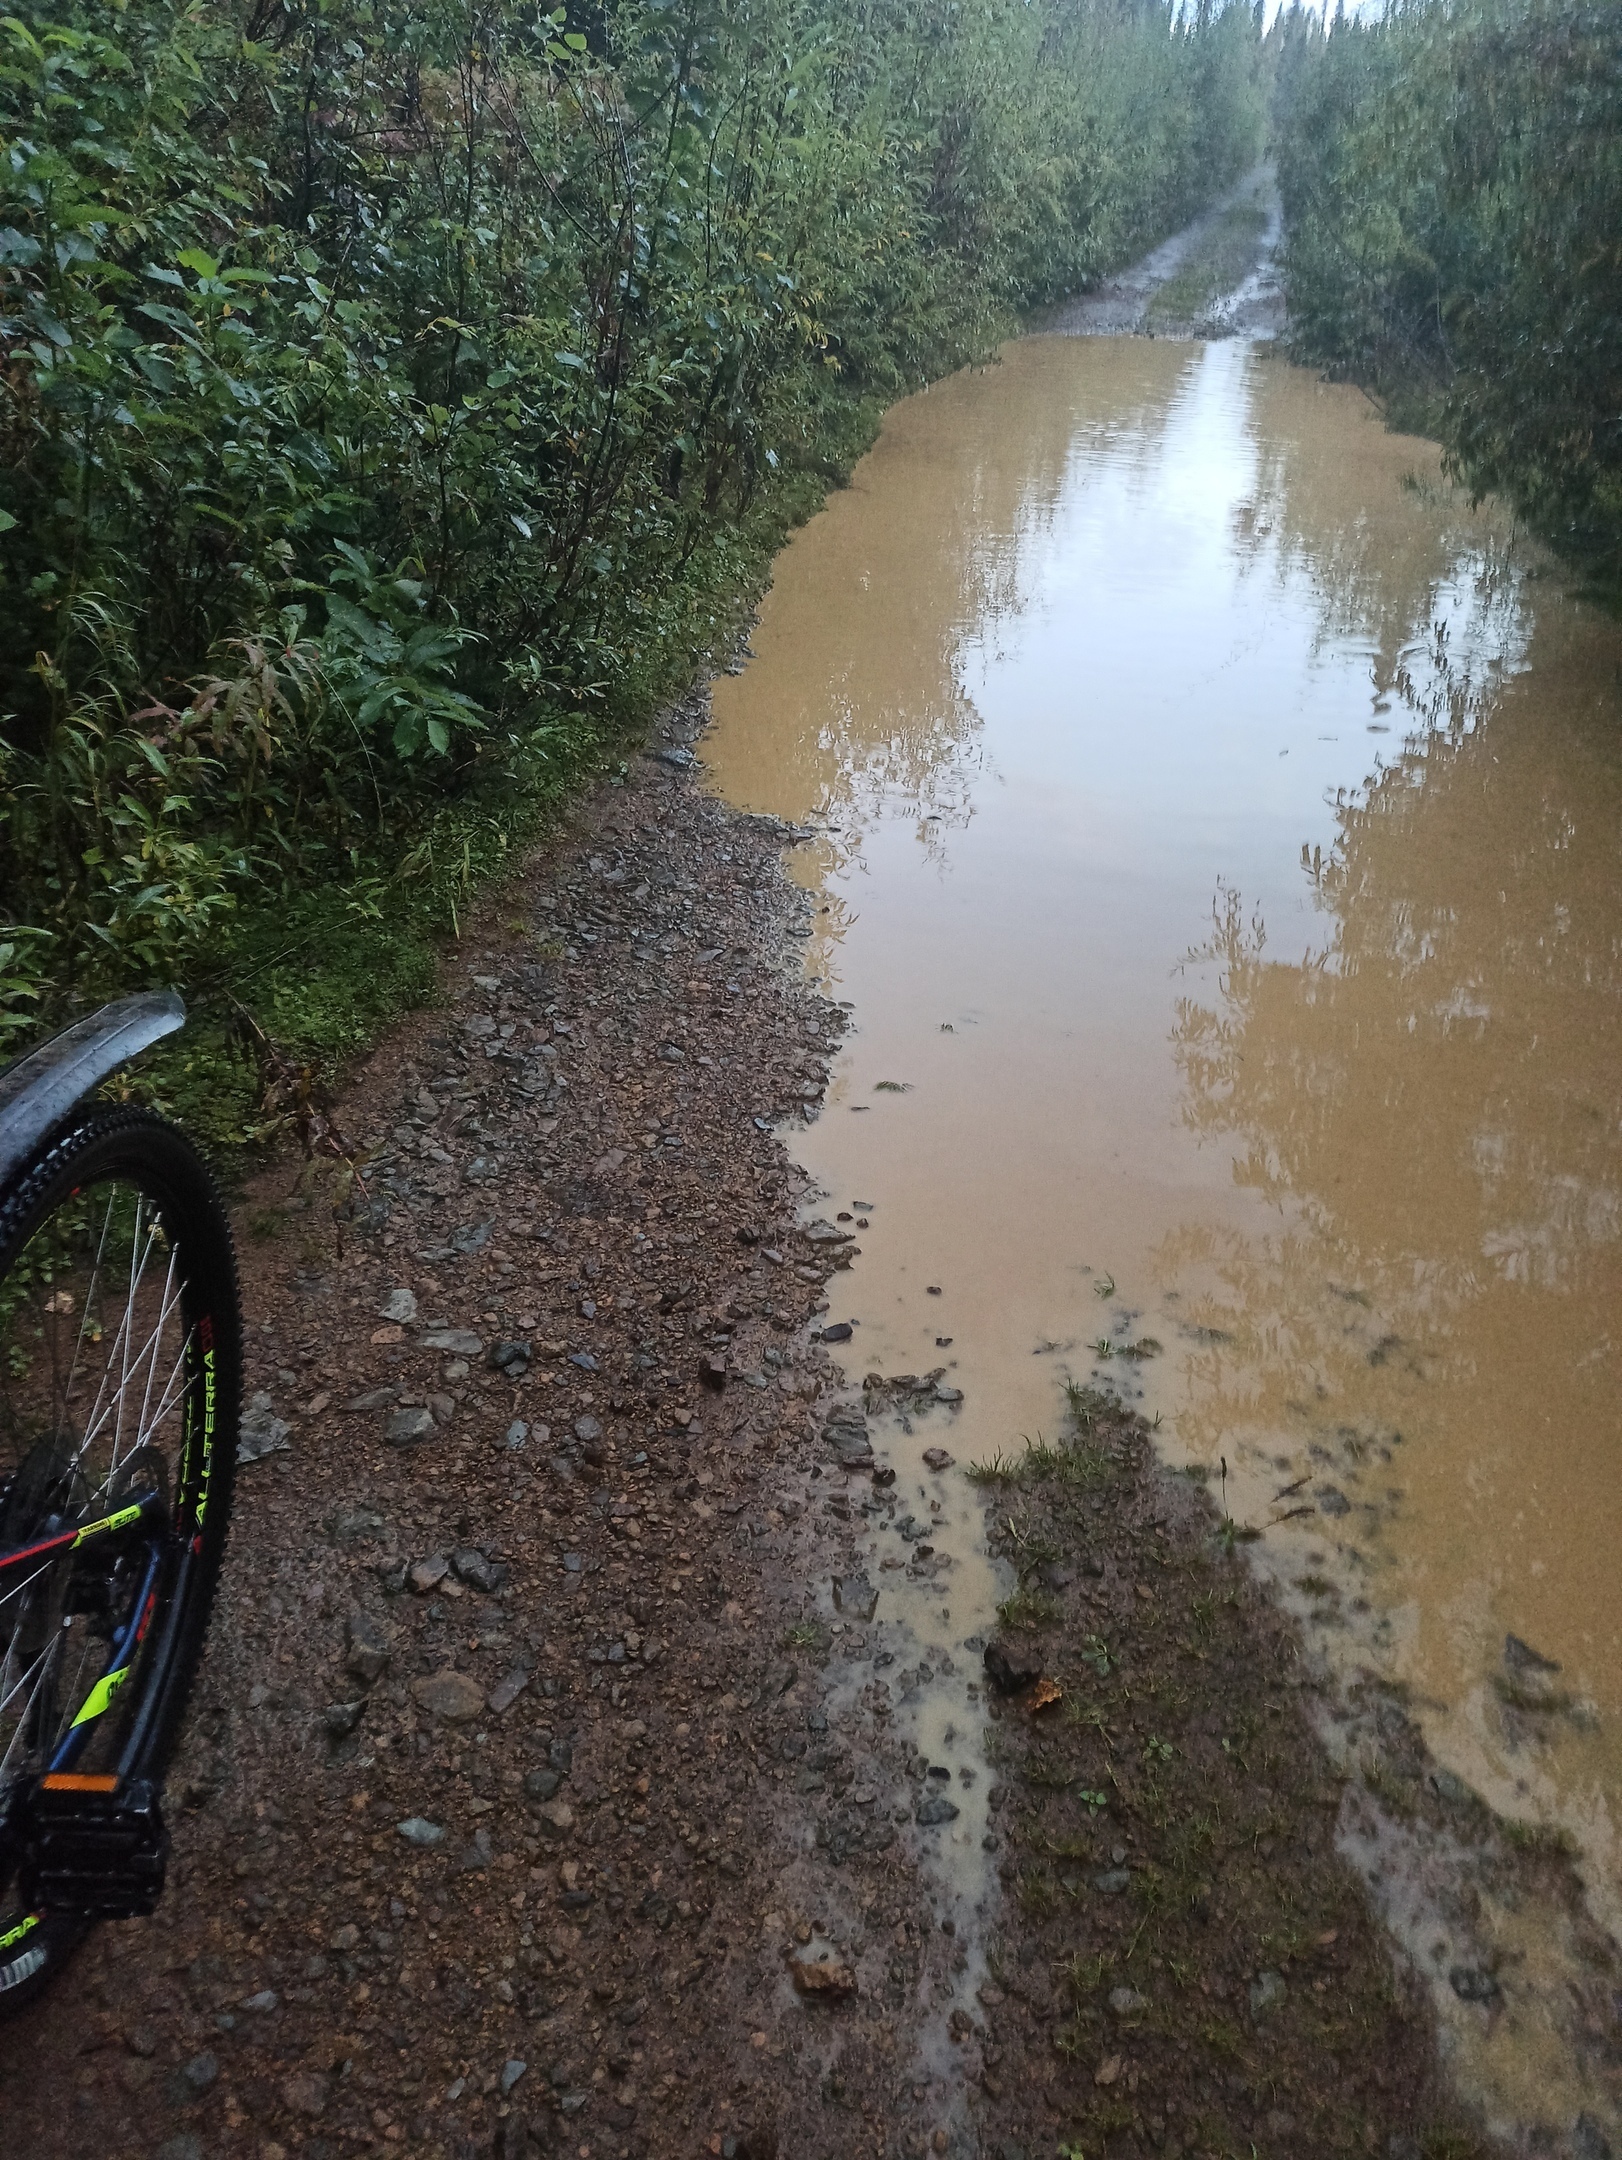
<point>1218,842</point>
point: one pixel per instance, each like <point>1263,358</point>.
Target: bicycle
<point>120,1386</point>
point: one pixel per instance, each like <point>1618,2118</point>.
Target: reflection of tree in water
<point>857,694</point>
<point>1386,565</point>
<point>1433,1097</point>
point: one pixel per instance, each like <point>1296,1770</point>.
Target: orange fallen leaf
<point>1044,1694</point>
<point>821,1976</point>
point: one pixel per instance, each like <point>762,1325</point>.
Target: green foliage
<point>398,399</point>
<point>1452,183</point>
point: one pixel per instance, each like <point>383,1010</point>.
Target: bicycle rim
<point>118,1376</point>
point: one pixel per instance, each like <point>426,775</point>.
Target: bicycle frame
<point>146,1517</point>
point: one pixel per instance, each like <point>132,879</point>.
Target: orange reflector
<point>66,1781</point>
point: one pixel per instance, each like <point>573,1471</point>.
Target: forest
<point>1452,185</point>
<point>400,399</point>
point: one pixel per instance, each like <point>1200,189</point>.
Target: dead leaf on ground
<point>822,1977</point>
<point>1044,1694</point>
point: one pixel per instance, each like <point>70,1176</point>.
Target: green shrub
<point>397,398</point>
<point>1452,182</point>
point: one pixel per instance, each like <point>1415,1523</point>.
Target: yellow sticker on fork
<point>100,1696</point>
<point>109,1523</point>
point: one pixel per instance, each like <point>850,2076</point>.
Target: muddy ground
<point>1217,277</point>
<point>540,1796</point>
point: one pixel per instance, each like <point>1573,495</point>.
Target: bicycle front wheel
<point>120,1380</point>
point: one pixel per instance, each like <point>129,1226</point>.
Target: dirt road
<point>544,1792</point>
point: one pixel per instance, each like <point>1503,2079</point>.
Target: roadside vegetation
<point>1452,186</point>
<point>398,402</point>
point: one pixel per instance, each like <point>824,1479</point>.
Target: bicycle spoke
<point>168,1304</point>
<point>89,1297</point>
<point>93,1431</point>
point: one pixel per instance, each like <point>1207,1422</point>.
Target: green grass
<point>1223,259</point>
<point>1030,1609</point>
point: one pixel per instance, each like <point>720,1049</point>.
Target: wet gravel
<point>518,1771</point>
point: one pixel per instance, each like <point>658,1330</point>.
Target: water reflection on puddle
<point>1219,841</point>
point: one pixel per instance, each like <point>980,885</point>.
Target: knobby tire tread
<point>141,1145</point>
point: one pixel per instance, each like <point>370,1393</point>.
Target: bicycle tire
<point>46,1211</point>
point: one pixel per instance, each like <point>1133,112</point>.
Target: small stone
<point>587,1429</point>
<point>556,1818</point>
<point>517,1433</point>
<point>507,1691</point>
<point>341,1718</point>
<point>416,1831</point>
<point>305,2092</point>
<point>510,1357</point>
<point>377,1398</point>
<point>541,1784</point>
<point>344,1938</point>
<point>353,1520</point>
<point>1112,1881</point>
<point>400,1306</point>
<point>475,1858</point>
<point>261,2004</point>
<point>1452,1791</point>
<point>427,1575</point>
<point>855,1595</point>
<point>1126,2002</point>
<point>1472,1984</point>
<point>841,1331</point>
<point>1009,1667</point>
<point>409,1428</point>
<point>449,1695</point>
<point>200,2073</point>
<point>511,2072</point>
<point>933,1810</point>
<point>938,1459</point>
<point>368,1652</point>
<point>945,1394</point>
<point>712,1372</point>
<point>1266,1990</point>
<point>477,1569</point>
<point>1332,1500</point>
<point>453,1342</point>
<point>261,1431</point>
<point>827,1979</point>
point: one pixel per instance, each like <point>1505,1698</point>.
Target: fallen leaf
<point>1044,1694</point>
<point>821,1976</point>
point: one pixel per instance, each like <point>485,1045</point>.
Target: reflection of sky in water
<point>1230,862</point>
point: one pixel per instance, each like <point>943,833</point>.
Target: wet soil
<point>1217,277</point>
<point>540,1795</point>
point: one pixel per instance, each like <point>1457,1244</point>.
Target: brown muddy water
<point>1218,840</point>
